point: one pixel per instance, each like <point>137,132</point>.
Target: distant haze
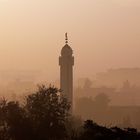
<point>103,34</point>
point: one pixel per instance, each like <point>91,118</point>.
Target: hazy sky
<point>103,34</point>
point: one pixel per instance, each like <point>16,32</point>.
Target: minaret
<point>66,62</point>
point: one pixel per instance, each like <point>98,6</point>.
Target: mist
<point>104,36</point>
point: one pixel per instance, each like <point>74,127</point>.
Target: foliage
<point>92,131</point>
<point>42,117</point>
<point>102,100</point>
<point>45,116</point>
<point>48,112</point>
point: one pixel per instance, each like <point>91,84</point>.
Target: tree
<point>48,110</point>
<point>101,100</point>
<point>14,123</point>
<point>42,117</point>
<point>3,125</point>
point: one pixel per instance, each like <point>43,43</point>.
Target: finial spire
<point>66,38</point>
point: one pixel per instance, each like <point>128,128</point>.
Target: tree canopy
<point>43,116</point>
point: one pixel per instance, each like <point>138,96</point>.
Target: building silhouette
<point>66,62</point>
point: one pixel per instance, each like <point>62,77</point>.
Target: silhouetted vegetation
<point>45,116</point>
<point>92,131</point>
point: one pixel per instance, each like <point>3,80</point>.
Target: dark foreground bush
<point>92,131</point>
<point>42,117</point>
<point>45,116</point>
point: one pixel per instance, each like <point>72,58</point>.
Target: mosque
<point>66,63</point>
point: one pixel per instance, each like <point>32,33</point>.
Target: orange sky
<point>103,34</point>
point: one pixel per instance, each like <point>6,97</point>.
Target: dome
<point>66,50</point>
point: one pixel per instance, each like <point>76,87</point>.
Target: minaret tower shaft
<point>66,62</point>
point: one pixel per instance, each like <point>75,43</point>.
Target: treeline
<point>44,115</point>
